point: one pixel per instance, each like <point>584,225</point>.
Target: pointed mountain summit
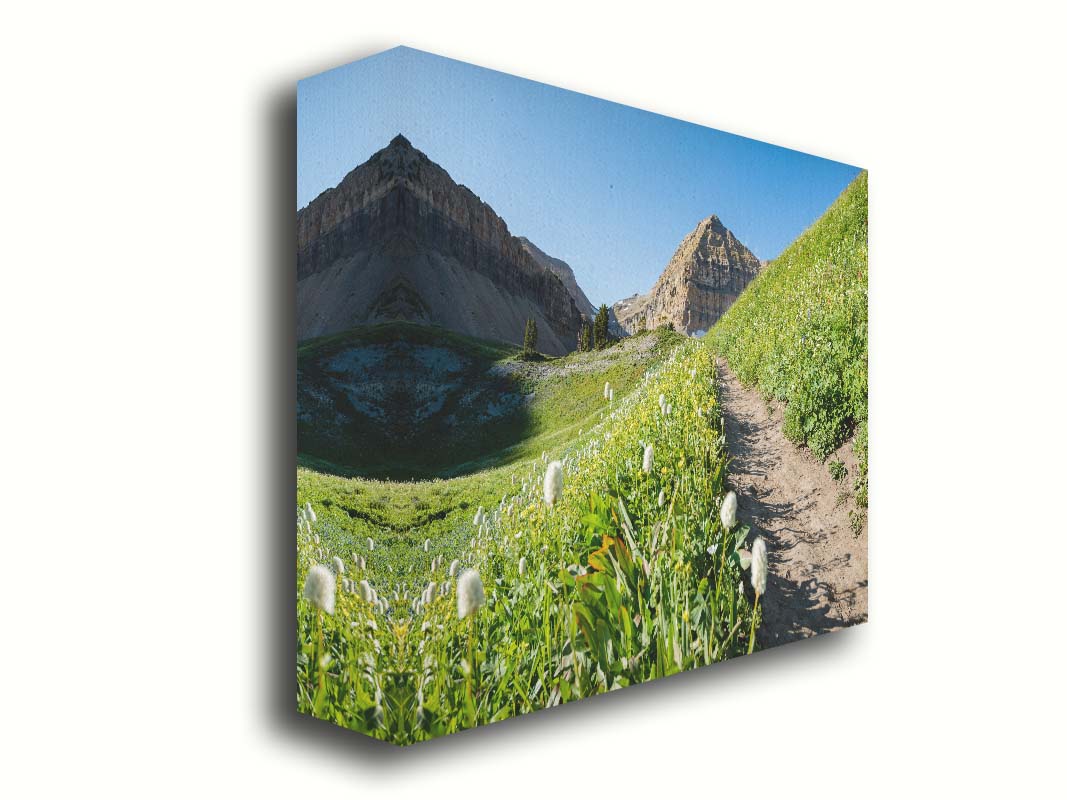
<point>398,239</point>
<point>708,271</point>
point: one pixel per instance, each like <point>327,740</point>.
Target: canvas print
<point>581,396</point>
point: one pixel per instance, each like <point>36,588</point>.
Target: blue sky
<point>610,189</point>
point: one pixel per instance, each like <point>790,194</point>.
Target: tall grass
<point>614,589</point>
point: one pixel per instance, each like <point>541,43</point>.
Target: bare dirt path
<point>818,566</point>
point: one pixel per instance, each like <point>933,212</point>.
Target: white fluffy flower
<point>646,463</point>
<point>553,483</point>
<point>522,566</point>
<point>309,512</point>
<point>661,499</point>
<point>607,390</point>
<point>479,516</point>
<point>370,543</point>
<point>759,565</point>
<point>611,395</point>
<point>453,568</point>
<point>728,512</point>
<point>430,593</point>
<point>338,566</point>
<point>366,592</point>
<point>320,588</point>
<point>426,546</point>
<point>470,595</point>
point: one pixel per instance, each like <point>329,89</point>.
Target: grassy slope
<point>799,331</point>
<point>564,393</point>
<point>653,603</point>
<point>399,516</point>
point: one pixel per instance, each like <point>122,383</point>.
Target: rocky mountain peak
<point>708,271</point>
<point>398,239</point>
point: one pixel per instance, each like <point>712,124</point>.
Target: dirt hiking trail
<point>817,580</point>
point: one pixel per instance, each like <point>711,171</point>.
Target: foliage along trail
<point>629,573</point>
<point>818,564</point>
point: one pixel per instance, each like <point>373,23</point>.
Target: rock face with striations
<point>398,239</point>
<point>708,271</point>
<point>564,272</point>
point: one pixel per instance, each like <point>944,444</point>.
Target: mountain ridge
<point>399,239</point>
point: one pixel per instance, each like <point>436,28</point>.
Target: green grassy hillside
<point>799,331</point>
<point>403,402</point>
<point>628,575</point>
<point>567,404</point>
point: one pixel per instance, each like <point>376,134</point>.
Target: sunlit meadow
<point>607,562</point>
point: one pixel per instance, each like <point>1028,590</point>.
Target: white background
<point>147,241</point>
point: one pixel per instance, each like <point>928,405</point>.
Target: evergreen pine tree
<point>584,343</point>
<point>529,339</point>
<point>600,328</point>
